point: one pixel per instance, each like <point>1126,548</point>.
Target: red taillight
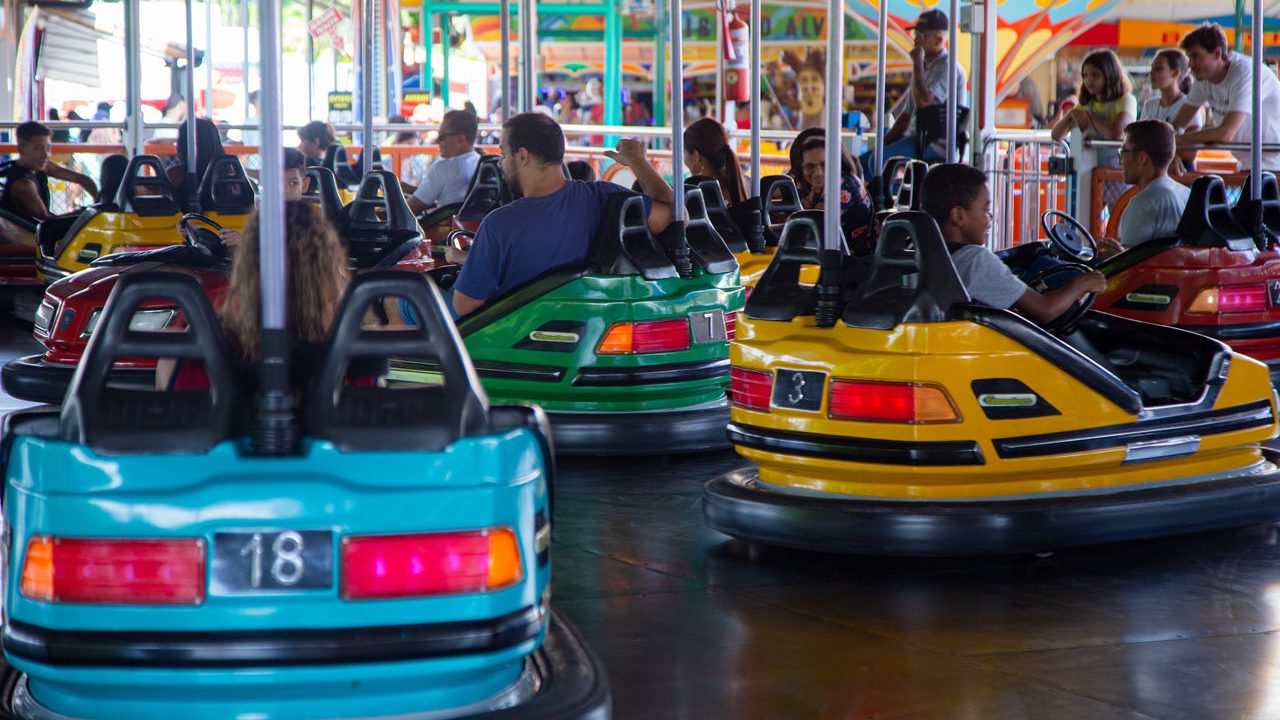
<point>750,388</point>
<point>390,566</point>
<point>652,336</point>
<point>889,402</point>
<point>731,326</point>
<point>117,572</point>
<point>1230,298</point>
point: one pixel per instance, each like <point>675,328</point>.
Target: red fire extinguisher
<point>736,78</point>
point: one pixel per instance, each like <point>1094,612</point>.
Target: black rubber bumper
<point>31,378</point>
<point>735,504</point>
<point>574,683</point>
<point>677,431</point>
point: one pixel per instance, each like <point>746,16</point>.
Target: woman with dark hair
<point>707,152</point>
<point>1171,81</point>
<point>1107,104</point>
<point>208,147</point>
<point>856,214</point>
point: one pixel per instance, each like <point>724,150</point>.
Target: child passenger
<point>957,197</point>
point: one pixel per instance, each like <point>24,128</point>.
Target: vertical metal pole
<point>1255,154</point>
<point>504,30</point>
<point>208,59</point>
<point>526,55</point>
<point>424,37</point>
<point>192,180</point>
<point>311,61</point>
<point>755,62</point>
<point>720,8</point>
<point>444,57</point>
<point>133,138</point>
<point>367,78</point>
<point>952,76</point>
<point>988,95</point>
<point>395,56</point>
<point>613,66</point>
<point>244,63</point>
<point>835,82</point>
<point>660,65</point>
<point>677,111</point>
<point>882,40</point>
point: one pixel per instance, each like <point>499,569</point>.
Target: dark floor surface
<point>693,625</point>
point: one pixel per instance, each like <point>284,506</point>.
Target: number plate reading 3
<point>799,389</point>
<point>247,562</point>
<point>708,326</point>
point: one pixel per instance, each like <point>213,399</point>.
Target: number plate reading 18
<point>708,326</point>
<point>247,562</point>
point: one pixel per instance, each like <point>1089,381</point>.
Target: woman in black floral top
<point>808,166</point>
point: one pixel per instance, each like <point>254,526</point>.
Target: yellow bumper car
<point>918,423</point>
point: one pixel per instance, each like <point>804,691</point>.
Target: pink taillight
<point>730,326</point>
<point>1242,298</point>
<point>390,566</point>
<point>116,572</point>
<point>750,389</point>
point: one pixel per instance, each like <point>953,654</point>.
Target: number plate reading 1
<point>708,326</point>
<point>249,562</point>
<point>799,389</point>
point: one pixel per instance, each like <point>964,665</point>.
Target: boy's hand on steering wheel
<point>1094,282</point>
<point>230,238</point>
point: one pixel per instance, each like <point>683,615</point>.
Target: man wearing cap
<point>448,178</point>
<point>928,87</point>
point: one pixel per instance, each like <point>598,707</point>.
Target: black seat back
<point>911,279</point>
<point>487,192</point>
<point>429,416</point>
<point>1270,207</point>
<point>113,419</point>
<point>718,212</point>
<point>707,248</point>
<point>226,189</point>
<point>623,244</point>
<point>1209,220</point>
<point>891,175</point>
<point>338,161</point>
<point>779,198</point>
<point>147,195</point>
<point>779,295</point>
<point>931,125</point>
<point>323,185</point>
<point>378,226</point>
<point>909,195</point>
<point>109,179</point>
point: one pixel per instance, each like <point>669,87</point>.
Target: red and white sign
<point>326,23</point>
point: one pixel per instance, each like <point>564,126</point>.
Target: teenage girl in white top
<point>1171,78</point>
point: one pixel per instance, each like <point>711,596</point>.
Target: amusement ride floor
<point>691,625</point>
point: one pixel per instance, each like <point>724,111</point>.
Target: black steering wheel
<point>1071,239</point>
<point>1066,323</point>
<point>460,240</point>
<point>204,239</point>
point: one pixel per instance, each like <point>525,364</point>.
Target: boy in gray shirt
<point>957,197</point>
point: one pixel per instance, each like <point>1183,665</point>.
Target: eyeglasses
<point>1124,150</point>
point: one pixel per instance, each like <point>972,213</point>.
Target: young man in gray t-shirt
<point>957,197</point>
<point>1155,211</point>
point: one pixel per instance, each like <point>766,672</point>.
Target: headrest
<point>226,189</point>
<point>779,198</point>
<point>487,192</point>
<point>148,195</point>
<point>113,419</point>
<point>891,180</point>
<point>909,195</point>
<point>707,248</point>
<point>427,417</point>
<point>911,279</point>
<point>378,207</point>
<point>718,212</point>
<point>1209,220</point>
<point>623,244</point>
<point>337,161</point>
<point>1270,206</point>
<point>324,186</point>
<point>779,295</point>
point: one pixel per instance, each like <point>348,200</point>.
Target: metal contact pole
<point>311,60</point>
<point>133,140</point>
<point>367,79</point>
<point>504,31</point>
<point>882,40</point>
<point>526,55</point>
<point>1255,152</point>
<point>677,111</point>
<point>952,75</point>
<point>395,56</point>
<point>192,181</point>
<point>755,98</point>
<point>208,59</point>
<point>835,81</point>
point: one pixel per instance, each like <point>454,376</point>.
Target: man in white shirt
<point>1224,80</point>
<point>448,178</point>
<point>1154,212</point>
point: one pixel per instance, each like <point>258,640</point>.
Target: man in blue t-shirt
<point>552,225</point>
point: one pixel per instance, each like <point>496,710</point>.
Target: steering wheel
<point>1069,237</point>
<point>1066,323</point>
<point>203,239</point>
<point>460,240</point>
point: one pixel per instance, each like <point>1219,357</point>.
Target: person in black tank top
<point>26,180</point>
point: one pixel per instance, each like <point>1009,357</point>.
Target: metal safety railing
<point>1028,173</point>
